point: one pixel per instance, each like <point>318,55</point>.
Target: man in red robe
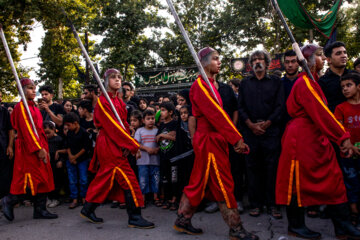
<point>308,172</point>
<point>211,174</point>
<point>32,170</point>
<point>114,175</point>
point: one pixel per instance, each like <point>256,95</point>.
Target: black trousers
<point>6,170</point>
<point>238,170</point>
<point>261,168</point>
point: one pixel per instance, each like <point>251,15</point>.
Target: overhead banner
<point>181,75</point>
<point>166,76</point>
<point>295,11</point>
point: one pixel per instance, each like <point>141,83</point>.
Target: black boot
<point>88,212</point>
<point>340,216</point>
<point>240,233</point>
<point>8,203</point>
<point>135,218</point>
<point>296,219</point>
<point>40,211</point>
<point>183,224</point>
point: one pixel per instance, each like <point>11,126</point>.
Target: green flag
<point>300,17</point>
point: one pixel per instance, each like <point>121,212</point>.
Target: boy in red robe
<point>114,175</point>
<point>308,172</point>
<point>32,169</point>
<point>211,175</point>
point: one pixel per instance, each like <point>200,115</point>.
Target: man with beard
<point>336,56</point>
<point>261,103</point>
<point>291,74</point>
<point>91,93</point>
<point>50,111</point>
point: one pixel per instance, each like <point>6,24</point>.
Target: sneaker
<point>240,207</point>
<point>212,207</point>
<point>54,203</point>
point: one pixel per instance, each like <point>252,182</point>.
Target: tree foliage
<point>123,25</point>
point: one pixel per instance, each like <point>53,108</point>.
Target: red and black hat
<point>204,52</point>
<point>110,71</point>
<point>26,81</point>
<point>309,49</point>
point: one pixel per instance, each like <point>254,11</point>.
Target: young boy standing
<point>55,143</point>
<point>148,163</point>
<point>348,113</point>
<point>166,139</point>
<point>78,147</point>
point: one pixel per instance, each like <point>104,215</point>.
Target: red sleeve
<point>22,124</point>
<point>319,112</point>
<point>201,96</point>
<point>106,120</point>
<point>339,113</point>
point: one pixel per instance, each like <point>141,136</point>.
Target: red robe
<point>113,171</point>
<point>308,166</point>
<point>29,171</point>
<point>211,174</point>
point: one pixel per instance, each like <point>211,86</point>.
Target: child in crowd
<point>86,121</point>
<point>55,146</point>
<point>152,108</point>
<point>143,104</point>
<point>166,139</point>
<point>148,163</point>
<point>183,145</point>
<point>348,113</point>
<point>157,106</point>
<point>135,121</point>
<point>78,147</point>
<point>86,115</point>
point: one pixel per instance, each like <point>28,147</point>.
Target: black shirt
<point>78,141</point>
<point>230,104</point>
<point>55,108</point>
<point>288,84</point>
<point>55,143</point>
<point>87,124</point>
<point>167,147</point>
<point>5,127</point>
<point>89,127</point>
<point>130,107</point>
<point>261,100</point>
<point>330,85</point>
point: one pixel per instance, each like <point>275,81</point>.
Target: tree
<point>59,54</point>
<point>16,25</point>
<point>199,18</point>
<point>122,24</point>
<point>349,29</point>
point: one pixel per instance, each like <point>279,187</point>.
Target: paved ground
<point>71,226</point>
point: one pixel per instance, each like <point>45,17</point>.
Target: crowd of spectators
<point>164,128</point>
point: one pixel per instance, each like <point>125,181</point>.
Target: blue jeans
<point>149,178</point>
<point>351,172</point>
<point>77,174</point>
